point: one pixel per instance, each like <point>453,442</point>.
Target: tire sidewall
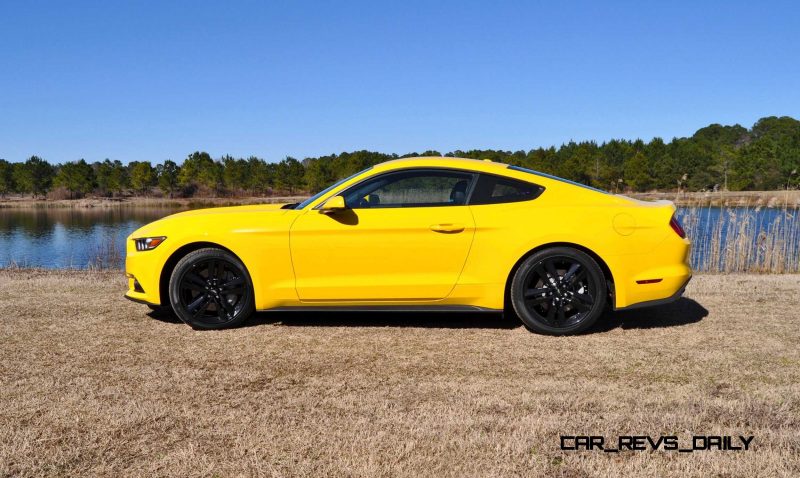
<point>529,319</point>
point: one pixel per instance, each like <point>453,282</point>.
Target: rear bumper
<point>656,277</point>
<point>650,303</point>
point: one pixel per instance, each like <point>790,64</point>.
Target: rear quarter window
<point>492,189</point>
<point>556,178</point>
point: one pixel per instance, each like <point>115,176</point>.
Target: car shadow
<point>683,311</point>
<point>164,315</point>
<point>434,320</point>
<point>448,320</point>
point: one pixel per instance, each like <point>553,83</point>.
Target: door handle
<point>447,228</point>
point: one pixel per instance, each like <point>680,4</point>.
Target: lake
<point>62,238</point>
<point>724,239</point>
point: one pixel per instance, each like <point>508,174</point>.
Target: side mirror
<point>334,204</point>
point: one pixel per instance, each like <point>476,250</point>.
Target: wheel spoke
<point>551,314</point>
<point>568,276</point>
<point>531,293</point>
<point>561,317</point>
<point>226,306</point>
<point>233,293</point>
<point>195,279</point>
<point>582,302</point>
<point>232,284</point>
<point>577,278</point>
<point>222,314</point>
<point>579,306</point>
<point>542,274</point>
<point>551,269</point>
<point>198,305</point>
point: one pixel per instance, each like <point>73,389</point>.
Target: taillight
<point>676,226</point>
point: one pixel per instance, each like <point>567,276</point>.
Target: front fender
<point>260,242</point>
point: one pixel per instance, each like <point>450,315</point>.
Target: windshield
<point>328,189</point>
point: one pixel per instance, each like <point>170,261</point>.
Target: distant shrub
<point>60,193</point>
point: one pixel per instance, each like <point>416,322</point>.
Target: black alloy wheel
<point>210,289</point>
<point>558,291</point>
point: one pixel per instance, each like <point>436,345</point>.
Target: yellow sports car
<point>418,234</point>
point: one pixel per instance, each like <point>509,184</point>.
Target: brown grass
<point>92,385</point>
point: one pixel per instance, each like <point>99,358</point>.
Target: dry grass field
<point>90,384</point>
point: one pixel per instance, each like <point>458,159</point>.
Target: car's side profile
<point>419,233</point>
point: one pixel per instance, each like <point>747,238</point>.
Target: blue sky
<point>155,80</point>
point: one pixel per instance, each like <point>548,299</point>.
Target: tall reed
<point>743,239</point>
<point>109,254</point>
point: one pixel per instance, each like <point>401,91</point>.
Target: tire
<point>558,291</point>
<point>211,289</point>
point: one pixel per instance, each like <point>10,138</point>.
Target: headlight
<point>148,243</point>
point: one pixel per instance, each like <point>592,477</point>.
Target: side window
<point>412,188</point>
<point>495,189</point>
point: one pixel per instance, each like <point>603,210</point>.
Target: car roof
<point>475,165</point>
<point>484,165</point>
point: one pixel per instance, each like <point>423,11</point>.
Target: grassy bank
<point>92,385</point>
<point>781,199</point>
<point>721,198</point>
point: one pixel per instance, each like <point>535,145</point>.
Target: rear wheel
<point>211,289</point>
<point>558,291</point>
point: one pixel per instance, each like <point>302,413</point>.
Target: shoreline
<point>143,202</point>
<point>772,199</point>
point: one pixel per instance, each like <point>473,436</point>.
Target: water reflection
<point>70,238</point>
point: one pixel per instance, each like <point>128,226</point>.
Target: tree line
<point>716,157</point>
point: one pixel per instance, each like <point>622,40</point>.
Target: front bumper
<point>140,301</point>
<point>143,270</point>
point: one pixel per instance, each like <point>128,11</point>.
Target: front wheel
<point>211,289</point>
<point>558,291</point>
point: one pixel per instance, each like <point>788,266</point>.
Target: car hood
<point>196,219</point>
<point>231,209</point>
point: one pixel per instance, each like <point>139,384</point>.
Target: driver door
<point>404,237</point>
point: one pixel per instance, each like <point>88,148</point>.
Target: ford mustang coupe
<point>418,234</point>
